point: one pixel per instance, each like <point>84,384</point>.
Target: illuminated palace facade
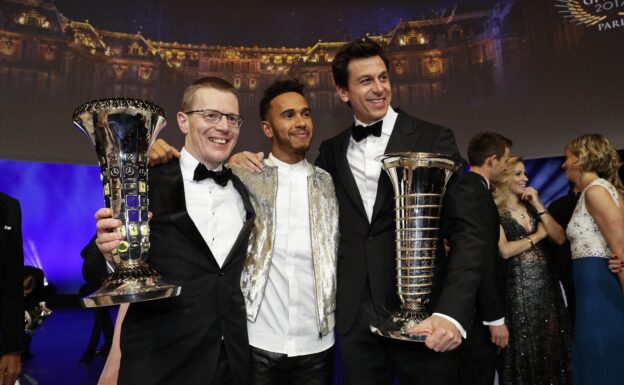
<point>42,53</point>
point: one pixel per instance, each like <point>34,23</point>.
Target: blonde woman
<point>596,233</point>
<point>539,350</point>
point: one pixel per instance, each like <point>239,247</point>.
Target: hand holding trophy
<point>122,131</point>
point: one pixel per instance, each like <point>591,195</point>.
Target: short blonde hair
<point>596,154</point>
<point>502,193</point>
<point>206,82</point>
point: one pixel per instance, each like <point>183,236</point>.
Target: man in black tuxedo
<point>199,234</point>
<point>11,289</point>
<point>487,153</point>
<point>367,291</point>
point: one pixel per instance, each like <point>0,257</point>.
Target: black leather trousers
<point>268,368</point>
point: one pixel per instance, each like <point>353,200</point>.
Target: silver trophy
<point>419,181</point>
<point>122,131</point>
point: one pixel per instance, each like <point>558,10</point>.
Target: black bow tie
<point>220,177</point>
<point>361,132</point>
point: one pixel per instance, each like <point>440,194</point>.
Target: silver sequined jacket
<point>324,235</point>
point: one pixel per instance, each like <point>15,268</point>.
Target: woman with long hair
<point>596,233</point>
<point>539,332</point>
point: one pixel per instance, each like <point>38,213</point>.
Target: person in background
<point>94,271</point>
<point>11,290</point>
<point>596,233</point>
<point>35,309</point>
<point>488,153</point>
<point>539,349</point>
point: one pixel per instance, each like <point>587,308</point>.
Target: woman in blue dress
<point>596,233</point>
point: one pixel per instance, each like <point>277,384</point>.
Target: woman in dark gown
<point>539,348</point>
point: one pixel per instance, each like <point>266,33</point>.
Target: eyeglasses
<point>212,116</point>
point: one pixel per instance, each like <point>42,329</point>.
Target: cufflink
<point>7,227</point>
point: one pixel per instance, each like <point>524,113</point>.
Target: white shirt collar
<point>278,163</point>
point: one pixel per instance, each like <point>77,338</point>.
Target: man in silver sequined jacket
<point>289,276</point>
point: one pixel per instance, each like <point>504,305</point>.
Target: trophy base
<point>390,329</point>
<point>399,323</point>
<point>136,282</point>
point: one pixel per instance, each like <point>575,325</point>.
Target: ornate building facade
<point>458,59</point>
<point>44,53</point>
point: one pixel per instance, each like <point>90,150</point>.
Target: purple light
<point>58,202</point>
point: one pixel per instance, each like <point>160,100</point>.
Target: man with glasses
<point>200,228</point>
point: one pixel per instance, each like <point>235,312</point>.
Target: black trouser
<point>368,359</point>
<point>477,356</point>
<point>102,323</point>
<point>268,368</point>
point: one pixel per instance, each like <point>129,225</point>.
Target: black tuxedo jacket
<point>11,276</point>
<point>177,340</point>
<point>490,306</point>
<point>367,250</point>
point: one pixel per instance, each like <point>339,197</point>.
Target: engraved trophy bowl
<point>122,131</point>
<point>419,182</point>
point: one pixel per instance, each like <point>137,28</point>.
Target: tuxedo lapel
<point>403,139</point>
<point>243,235</point>
<point>404,135</point>
<point>171,187</point>
<point>344,171</point>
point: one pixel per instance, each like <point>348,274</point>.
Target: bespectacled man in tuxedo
<point>199,232</point>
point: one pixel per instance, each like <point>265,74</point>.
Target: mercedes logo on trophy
<point>419,181</point>
<point>122,131</point>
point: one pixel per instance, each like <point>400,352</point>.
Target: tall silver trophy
<point>419,182</point>
<point>122,131</point>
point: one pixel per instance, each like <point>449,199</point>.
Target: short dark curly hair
<point>277,88</point>
<point>358,49</point>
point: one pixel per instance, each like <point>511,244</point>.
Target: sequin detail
<point>324,238</point>
<point>539,350</point>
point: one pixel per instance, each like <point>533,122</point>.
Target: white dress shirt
<point>366,170</point>
<point>217,211</point>
<point>287,322</point>
<point>361,156</point>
